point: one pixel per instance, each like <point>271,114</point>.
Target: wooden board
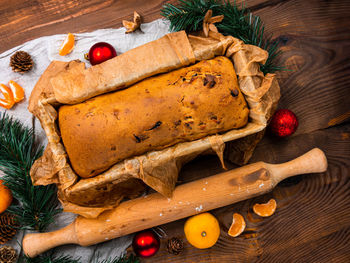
<point>314,35</point>
<point>312,223</point>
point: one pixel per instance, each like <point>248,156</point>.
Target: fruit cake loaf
<point>182,105</point>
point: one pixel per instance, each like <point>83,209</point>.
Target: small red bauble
<point>100,52</point>
<point>146,244</point>
<point>283,123</point>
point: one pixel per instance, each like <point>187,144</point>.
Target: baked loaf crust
<point>183,105</point>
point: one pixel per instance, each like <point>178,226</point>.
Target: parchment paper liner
<point>69,83</point>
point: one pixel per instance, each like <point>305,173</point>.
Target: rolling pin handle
<point>37,243</point>
<point>313,161</point>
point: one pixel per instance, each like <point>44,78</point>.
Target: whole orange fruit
<point>202,231</point>
<point>5,197</point>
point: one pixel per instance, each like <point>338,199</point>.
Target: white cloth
<point>44,50</point>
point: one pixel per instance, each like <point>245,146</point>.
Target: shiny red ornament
<point>100,52</point>
<point>146,244</point>
<point>283,123</point>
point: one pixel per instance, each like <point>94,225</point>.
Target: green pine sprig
<point>188,15</point>
<point>49,258</point>
<point>37,205</point>
<point>124,259</point>
<point>238,22</point>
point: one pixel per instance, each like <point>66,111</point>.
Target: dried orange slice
<point>8,100</point>
<point>266,209</point>
<point>237,226</point>
<point>67,45</point>
<point>17,90</point>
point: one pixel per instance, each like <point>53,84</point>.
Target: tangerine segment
<point>5,197</point>
<point>8,100</point>
<point>6,104</point>
<point>67,45</point>
<point>17,90</point>
<point>238,225</point>
<point>202,231</point>
<point>266,209</point>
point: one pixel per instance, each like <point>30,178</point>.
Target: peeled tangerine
<point>238,225</point>
<point>67,45</point>
<point>8,101</point>
<point>202,231</point>
<point>5,197</point>
<point>17,91</point>
<point>266,209</point>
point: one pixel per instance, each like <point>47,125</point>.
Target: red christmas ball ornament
<point>283,123</point>
<point>100,52</point>
<point>146,244</point>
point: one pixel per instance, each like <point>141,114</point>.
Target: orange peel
<point>8,100</point>
<point>266,209</point>
<point>209,21</point>
<point>17,91</point>
<point>131,26</point>
<point>67,45</point>
<point>238,225</point>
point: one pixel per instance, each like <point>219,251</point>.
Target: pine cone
<point>7,254</point>
<point>8,227</point>
<point>175,246</point>
<point>21,62</point>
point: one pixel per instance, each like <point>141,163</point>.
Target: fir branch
<point>48,259</point>
<point>188,15</point>
<point>37,205</point>
<point>238,22</point>
<point>124,259</point>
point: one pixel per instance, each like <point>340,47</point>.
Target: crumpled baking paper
<point>44,50</point>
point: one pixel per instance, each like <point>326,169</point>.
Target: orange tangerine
<point>202,231</point>
<point>67,45</point>
<point>266,209</point>
<point>8,100</point>
<point>6,104</point>
<point>17,91</point>
<point>5,197</point>
<point>238,225</point>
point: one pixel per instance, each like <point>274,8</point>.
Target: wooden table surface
<point>312,222</point>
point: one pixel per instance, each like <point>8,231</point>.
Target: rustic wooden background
<point>312,222</point>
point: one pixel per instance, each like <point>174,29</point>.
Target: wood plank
<point>23,20</point>
<point>316,46</point>
<point>314,37</point>
<point>312,221</point>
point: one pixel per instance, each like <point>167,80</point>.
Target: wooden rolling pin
<point>188,199</point>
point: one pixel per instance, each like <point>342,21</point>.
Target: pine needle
<point>37,205</point>
<point>124,259</point>
<point>238,22</point>
<point>49,258</point>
